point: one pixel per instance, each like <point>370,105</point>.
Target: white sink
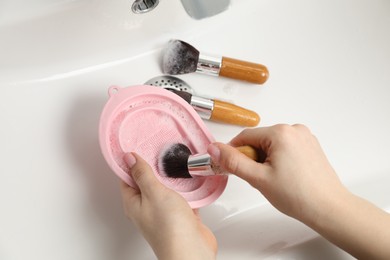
<point>329,66</point>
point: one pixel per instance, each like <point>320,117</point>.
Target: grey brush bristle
<point>175,161</point>
<point>179,58</point>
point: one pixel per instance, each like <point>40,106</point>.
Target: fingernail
<point>130,159</point>
<point>214,152</point>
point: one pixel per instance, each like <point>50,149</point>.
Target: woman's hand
<point>295,175</point>
<point>171,227</point>
<point>297,179</point>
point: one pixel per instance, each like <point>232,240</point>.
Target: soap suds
<point>179,58</point>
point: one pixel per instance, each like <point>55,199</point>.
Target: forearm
<point>183,246</point>
<point>190,252</point>
<point>355,225</point>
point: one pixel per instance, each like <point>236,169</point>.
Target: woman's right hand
<point>295,176</point>
<point>297,179</point>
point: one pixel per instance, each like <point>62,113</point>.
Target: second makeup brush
<point>207,108</point>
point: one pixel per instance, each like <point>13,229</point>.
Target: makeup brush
<point>180,58</point>
<point>210,109</point>
<point>219,111</point>
<point>178,162</point>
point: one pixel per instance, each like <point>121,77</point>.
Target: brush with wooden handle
<point>180,58</point>
<point>219,111</point>
<point>178,162</point>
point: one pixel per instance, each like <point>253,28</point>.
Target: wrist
<point>322,208</point>
<point>193,253</point>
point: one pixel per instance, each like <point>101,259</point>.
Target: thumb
<point>236,162</point>
<point>142,173</point>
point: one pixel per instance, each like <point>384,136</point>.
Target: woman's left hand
<point>171,227</point>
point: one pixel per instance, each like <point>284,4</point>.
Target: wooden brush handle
<point>232,114</point>
<point>248,151</point>
<point>243,70</point>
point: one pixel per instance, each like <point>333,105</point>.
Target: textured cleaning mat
<point>148,120</point>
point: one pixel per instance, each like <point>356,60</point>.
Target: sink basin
<point>328,66</point>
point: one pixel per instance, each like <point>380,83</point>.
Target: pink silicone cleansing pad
<point>147,120</point>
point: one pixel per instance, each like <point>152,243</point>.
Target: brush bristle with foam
<point>175,161</point>
<point>179,58</point>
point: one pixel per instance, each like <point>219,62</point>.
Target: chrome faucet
<point>197,9</point>
<point>144,6</point>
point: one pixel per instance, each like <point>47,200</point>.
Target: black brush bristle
<point>179,58</point>
<point>184,95</point>
<point>175,161</point>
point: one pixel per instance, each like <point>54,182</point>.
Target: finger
<point>128,193</point>
<point>131,198</point>
<point>257,137</point>
<point>196,213</point>
<point>237,163</point>
<point>142,174</point>
<point>302,128</point>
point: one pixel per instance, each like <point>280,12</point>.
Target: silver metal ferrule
<point>210,65</point>
<point>203,106</point>
<point>200,165</point>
